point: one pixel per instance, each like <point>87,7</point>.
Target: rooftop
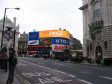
<point>6,20</point>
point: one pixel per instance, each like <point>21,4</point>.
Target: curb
<point>89,64</point>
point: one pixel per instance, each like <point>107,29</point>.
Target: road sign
<point>8,34</point>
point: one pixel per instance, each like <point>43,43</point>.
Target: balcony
<point>98,24</point>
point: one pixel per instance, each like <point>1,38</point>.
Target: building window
<point>98,35</point>
<point>87,48</point>
<point>111,12</point>
<point>90,46</point>
<point>97,11</point>
<point>105,44</point>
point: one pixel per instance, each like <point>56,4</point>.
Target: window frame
<point>97,11</point>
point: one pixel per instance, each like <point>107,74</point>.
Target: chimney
<point>17,28</point>
<point>14,21</point>
<point>64,29</point>
<point>59,28</point>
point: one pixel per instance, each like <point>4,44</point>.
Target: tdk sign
<point>60,41</point>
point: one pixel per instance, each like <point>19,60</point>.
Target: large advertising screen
<point>59,47</point>
<point>54,33</point>
<point>62,41</point>
<point>45,41</point>
<point>33,38</point>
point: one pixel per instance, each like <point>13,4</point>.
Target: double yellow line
<point>21,80</point>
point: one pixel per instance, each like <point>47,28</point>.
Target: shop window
<point>105,44</point>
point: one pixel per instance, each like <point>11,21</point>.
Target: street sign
<point>8,34</point>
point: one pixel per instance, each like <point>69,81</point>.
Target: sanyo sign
<point>58,33</point>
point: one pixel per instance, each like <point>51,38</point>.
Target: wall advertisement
<point>33,38</point>
<point>54,33</point>
<point>60,41</point>
<point>45,41</point>
<point>59,47</point>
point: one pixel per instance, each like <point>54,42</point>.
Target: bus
<point>77,56</point>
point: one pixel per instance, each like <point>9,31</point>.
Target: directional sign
<point>8,34</point>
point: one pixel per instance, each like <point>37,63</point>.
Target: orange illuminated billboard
<point>54,33</point>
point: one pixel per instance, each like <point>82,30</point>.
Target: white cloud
<point>46,14</point>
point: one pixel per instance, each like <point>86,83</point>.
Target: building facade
<point>75,44</point>
<point>97,29</point>
<point>14,41</point>
<point>23,44</point>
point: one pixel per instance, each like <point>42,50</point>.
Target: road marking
<point>109,78</point>
<point>35,74</point>
<point>84,81</point>
<point>26,82</point>
<point>72,75</point>
<point>61,64</point>
<point>59,71</point>
<point>22,80</point>
<point>52,80</point>
<point>49,68</point>
<point>20,64</point>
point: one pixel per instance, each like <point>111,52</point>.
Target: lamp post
<point>4,23</point>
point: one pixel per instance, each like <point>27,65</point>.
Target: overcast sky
<point>46,15</point>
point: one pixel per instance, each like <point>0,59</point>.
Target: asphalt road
<point>42,71</point>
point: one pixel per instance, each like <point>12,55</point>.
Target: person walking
<point>12,64</point>
<point>89,59</point>
<point>98,60</point>
<point>4,59</point>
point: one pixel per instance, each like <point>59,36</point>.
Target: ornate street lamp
<point>4,23</point>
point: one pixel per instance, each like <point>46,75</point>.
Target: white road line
<point>109,78</point>
<point>27,82</point>
<point>61,64</point>
<point>84,81</point>
<point>72,75</point>
<point>59,71</point>
<point>49,68</point>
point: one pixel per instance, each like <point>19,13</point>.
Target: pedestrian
<point>12,64</point>
<point>0,60</point>
<point>4,59</point>
<point>98,60</point>
<point>89,59</point>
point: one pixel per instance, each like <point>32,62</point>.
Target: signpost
<point>8,34</point>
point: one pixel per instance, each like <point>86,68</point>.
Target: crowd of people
<point>8,63</point>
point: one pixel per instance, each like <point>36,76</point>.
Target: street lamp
<point>4,23</point>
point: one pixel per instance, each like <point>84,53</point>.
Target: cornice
<point>84,7</point>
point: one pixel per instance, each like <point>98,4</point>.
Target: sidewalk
<point>86,63</point>
<point>90,64</point>
<point>3,78</point>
